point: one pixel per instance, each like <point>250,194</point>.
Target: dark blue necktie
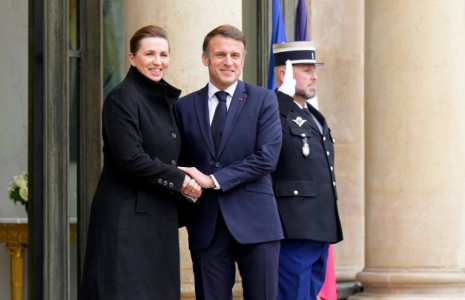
<point>219,118</point>
<point>311,119</point>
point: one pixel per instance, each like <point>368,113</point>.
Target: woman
<point>132,247</point>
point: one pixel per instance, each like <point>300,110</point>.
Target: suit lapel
<point>201,109</point>
<point>237,103</point>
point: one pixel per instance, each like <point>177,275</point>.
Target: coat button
<point>324,138</point>
<point>217,165</point>
<point>334,183</point>
<point>303,134</point>
<point>173,135</point>
<point>165,183</point>
<point>173,162</point>
<point>171,185</point>
<point>160,181</point>
<point>332,169</point>
<point>327,153</point>
<point>296,192</point>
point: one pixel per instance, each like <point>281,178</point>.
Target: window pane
<point>249,27</point>
<point>74,96</point>
<point>74,25</point>
<point>114,56</point>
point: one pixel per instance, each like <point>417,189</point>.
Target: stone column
<point>337,29</point>
<point>187,23</point>
<point>415,148</point>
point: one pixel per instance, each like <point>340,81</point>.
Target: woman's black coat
<point>133,248</point>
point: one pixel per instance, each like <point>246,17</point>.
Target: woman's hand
<point>205,181</point>
<point>191,188</point>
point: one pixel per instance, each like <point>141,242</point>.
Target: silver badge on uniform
<point>305,146</point>
<point>305,150</point>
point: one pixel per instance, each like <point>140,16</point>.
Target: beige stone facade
<point>414,149</point>
<point>390,80</point>
<point>337,29</point>
<point>340,95</point>
<point>392,92</point>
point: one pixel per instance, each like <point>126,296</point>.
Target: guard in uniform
<point>304,179</point>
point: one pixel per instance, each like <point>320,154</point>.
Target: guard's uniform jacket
<point>305,186</point>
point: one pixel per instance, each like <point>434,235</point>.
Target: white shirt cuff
<point>217,185</point>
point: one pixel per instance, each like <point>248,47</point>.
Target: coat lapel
<point>237,103</point>
<point>201,109</point>
<point>319,117</point>
<point>310,122</point>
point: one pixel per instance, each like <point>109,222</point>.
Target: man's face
<point>305,77</point>
<point>225,62</point>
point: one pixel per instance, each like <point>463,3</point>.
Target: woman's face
<point>153,57</point>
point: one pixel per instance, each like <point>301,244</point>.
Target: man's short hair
<point>226,31</point>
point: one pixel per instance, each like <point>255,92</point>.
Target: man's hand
<point>205,181</point>
<point>191,188</point>
<point>288,86</point>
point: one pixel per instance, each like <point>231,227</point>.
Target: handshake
<point>194,183</point>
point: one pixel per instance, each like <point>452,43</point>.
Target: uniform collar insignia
<point>299,121</point>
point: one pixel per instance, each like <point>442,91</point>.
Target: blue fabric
<point>301,22</point>
<point>248,151</point>
<point>278,36</point>
<point>302,269</point>
<point>214,267</point>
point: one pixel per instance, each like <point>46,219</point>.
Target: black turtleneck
<point>154,88</point>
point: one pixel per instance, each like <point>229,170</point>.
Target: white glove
<point>288,86</point>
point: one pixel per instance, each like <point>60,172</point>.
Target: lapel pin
<point>240,99</point>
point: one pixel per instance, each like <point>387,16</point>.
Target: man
<point>231,135</point>
<point>304,180</point>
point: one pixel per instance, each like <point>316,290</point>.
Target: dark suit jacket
<point>305,186</point>
<point>132,247</point>
<point>248,152</point>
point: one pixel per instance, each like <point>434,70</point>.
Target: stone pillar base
<point>407,285</point>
